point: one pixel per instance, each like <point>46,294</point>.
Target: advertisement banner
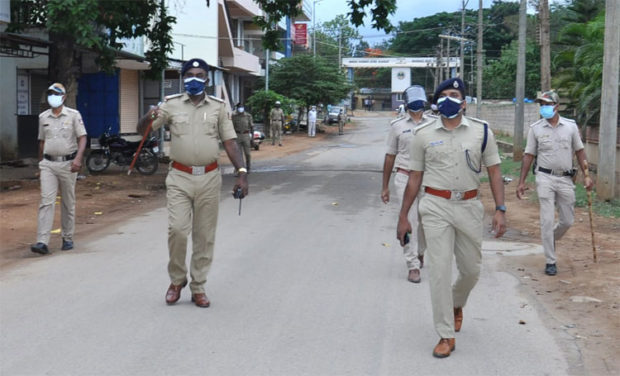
<point>301,34</point>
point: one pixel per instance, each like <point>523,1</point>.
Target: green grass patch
<point>604,208</point>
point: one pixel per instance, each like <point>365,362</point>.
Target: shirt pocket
<point>209,124</point>
<point>472,155</point>
<point>439,155</point>
<point>179,124</point>
<point>65,130</point>
<point>565,142</point>
<point>545,144</point>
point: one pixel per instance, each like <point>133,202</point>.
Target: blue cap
<point>452,83</point>
<point>194,63</point>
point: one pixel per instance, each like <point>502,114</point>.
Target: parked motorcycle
<point>119,151</point>
<point>257,139</point>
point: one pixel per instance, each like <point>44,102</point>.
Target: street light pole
<point>314,26</point>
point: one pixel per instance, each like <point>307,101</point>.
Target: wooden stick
<point>589,193</point>
<point>135,157</point>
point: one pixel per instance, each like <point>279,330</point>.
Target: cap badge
<point>455,84</point>
<point>195,64</point>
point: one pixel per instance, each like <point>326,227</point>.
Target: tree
<point>499,76</point>
<point>308,80</point>
<point>338,30</point>
<point>580,68</point>
<point>95,25</point>
<point>261,102</point>
<point>276,10</point>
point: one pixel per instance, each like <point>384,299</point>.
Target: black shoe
<point>67,245</point>
<point>40,248</point>
<point>550,269</point>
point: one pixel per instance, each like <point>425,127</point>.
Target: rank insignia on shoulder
<point>216,99</point>
<point>168,97</point>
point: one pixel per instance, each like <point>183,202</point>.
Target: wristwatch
<point>501,208</point>
<point>242,169</point>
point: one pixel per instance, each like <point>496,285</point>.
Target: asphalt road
<point>309,280</point>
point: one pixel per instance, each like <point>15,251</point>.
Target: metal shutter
<point>129,100</point>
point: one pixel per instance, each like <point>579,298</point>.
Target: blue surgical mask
<point>54,101</point>
<point>547,111</point>
<point>240,109</point>
<point>449,107</point>
<point>415,106</point>
<point>194,85</point>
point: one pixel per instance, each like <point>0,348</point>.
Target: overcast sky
<point>407,10</point>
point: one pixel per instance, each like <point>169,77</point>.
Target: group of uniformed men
<point>438,160</point>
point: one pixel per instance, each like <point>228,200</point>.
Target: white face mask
<point>54,101</point>
<point>241,109</point>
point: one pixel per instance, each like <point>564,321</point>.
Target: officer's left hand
<point>76,165</point>
<point>242,182</point>
<point>499,223</point>
<point>588,183</point>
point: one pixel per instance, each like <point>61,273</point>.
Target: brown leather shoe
<point>444,348</point>
<point>421,258</point>
<point>201,300</point>
<point>414,276</point>
<point>458,319</point>
<point>174,292</point>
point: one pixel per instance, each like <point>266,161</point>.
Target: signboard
<point>401,79</point>
<point>301,34</point>
<point>5,11</point>
<point>404,62</point>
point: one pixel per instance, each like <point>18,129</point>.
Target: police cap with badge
<point>194,63</point>
<point>451,83</point>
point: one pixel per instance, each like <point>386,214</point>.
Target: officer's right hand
<point>385,195</point>
<point>153,112</point>
<point>521,188</point>
<point>403,227</point>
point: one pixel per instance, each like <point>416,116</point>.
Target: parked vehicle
<point>115,149</point>
<point>257,139</point>
<point>332,115</point>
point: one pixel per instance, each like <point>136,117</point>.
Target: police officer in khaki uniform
<point>276,118</point>
<point>197,123</point>
<point>341,120</point>
<point>397,154</point>
<point>62,140</point>
<point>553,140</point>
<point>242,121</point>
<point>446,158</point>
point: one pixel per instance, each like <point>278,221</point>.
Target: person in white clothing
<point>397,155</point>
<point>312,121</point>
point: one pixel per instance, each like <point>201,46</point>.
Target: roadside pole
<point>517,153</point>
<point>479,62</point>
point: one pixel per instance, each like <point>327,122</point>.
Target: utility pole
<point>267,69</point>
<point>479,62</point>
<point>448,65</point>
<point>340,49</point>
<point>608,131</point>
<point>440,60</point>
<point>462,67</point>
<point>517,153</point>
<point>545,48</point>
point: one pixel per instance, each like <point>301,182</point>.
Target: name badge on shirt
<point>436,143</point>
<point>407,131</point>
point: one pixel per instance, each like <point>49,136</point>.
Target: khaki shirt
<point>242,121</point>
<point>276,115</point>
<point>195,129</point>
<point>554,146</point>
<point>442,154</point>
<point>61,132</point>
<point>400,137</point>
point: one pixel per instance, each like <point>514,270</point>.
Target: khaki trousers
<point>417,244</point>
<point>193,203</point>
<point>276,132</point>
<point>311,128</point>
<point>53,175</point>
<point>340,127</point>
<point>243,140</point>
<point>554,191</point>
<point>452,229</point>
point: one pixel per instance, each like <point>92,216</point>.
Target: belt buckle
<point>456,195</point>
<point>198,170</point>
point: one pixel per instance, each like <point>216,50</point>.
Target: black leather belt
<point>60,158</point>
<point>556,172</point>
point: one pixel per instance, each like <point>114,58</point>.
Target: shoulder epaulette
<point>425,124</point>
<point>536,123</point>
<point>476,120</point>
<point>168,97</point>
<point>216,99</point>
<point>567,120</point>
<point>394,121</point>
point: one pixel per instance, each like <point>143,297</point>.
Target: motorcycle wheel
<point>97,161</point>
<point>147,162</point>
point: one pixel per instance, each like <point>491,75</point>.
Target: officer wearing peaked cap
<point>399,141</point>
<point>446,158</point>
<point>197,123</point>
<point>553,140</point>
